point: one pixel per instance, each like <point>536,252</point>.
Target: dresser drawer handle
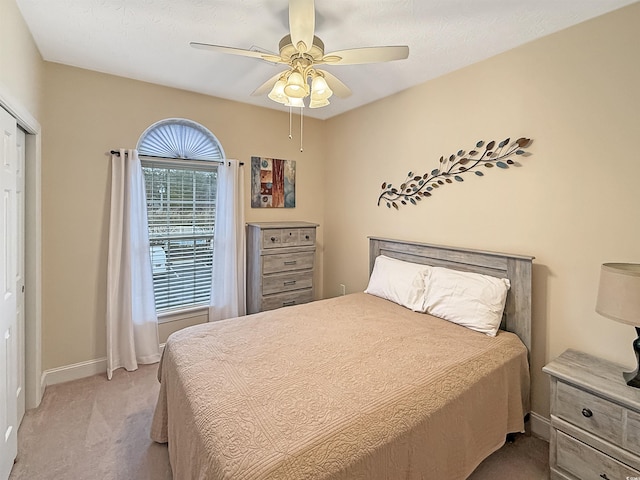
<point>289,303</point>
<point>273,239</point>
<point>306,237</point>
<point>588,413</point>
<point>291,262</point>
<point>290,282</point>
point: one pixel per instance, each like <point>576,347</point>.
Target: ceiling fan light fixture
<point>294,102</point>
<point>296,86</point>
<point>319,102</point>
<point>319,88</point>
<point>301,52</point>
<point>277,92</point>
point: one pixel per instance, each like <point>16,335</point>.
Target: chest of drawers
<point>280,264</point>
<point>595,420</point>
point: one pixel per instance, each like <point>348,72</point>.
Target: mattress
<point>354,387</point>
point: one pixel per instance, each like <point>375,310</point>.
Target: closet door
<point>20,280</point>
<point>8,297</point>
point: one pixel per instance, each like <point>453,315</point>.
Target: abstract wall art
<point>273,183</point>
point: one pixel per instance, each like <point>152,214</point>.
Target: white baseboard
<point>540,426</point>
<point>76,371</point>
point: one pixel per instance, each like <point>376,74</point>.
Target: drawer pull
<point>289,303</point>
<point>290,282</point>
<point>306,237</point>
<point>273,239</point>
<point>588,413</point>
<point>291,262</point>
<point>604,475</point>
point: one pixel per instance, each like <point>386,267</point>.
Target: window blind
<point>181,209</point>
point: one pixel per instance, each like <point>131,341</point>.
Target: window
<point>180,160</point>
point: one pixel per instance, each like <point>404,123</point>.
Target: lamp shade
<point>296,86</point>
<point>295,102</point>
<point>277,92</point>
<point>619,292</point>
<point>314,103</point>
<point>319,88</point>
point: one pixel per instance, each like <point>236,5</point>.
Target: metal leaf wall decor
<point>451,169</point>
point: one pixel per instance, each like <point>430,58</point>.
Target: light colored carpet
<point>99,429</point>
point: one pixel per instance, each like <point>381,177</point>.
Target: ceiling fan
<point>303,52</point>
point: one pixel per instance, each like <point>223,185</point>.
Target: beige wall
<point>21,66</point>
<point>571,204</point>
<point>87,114</point>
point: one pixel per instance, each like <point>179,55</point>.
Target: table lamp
<point>619,299</point>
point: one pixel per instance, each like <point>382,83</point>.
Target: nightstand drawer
<point>587,463</point>
<point>271,302</point>
<point>284,282</point>
<point>632,437</point>
<point>590,412</point>
<point>287,262</point>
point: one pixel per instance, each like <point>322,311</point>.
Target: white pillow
<point>470,299</point>
<point>398,281</point>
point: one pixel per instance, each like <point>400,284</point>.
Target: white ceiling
<point>149,39</point>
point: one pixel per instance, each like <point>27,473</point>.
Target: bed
<point>355,387</point>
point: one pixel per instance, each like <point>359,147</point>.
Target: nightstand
<point>595,420</point>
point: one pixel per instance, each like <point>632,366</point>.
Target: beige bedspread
<point>354,387</point>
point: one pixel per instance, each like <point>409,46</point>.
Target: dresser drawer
<point>590,412</point>
<point>287,262</point>
<point>587,463</point>
<point>288,237</point>
<point>271,238</point>
<point>283,282</point>
<point>271,302</point>
<point>307,236</point>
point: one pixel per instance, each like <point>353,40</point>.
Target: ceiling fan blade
<point>267,86</point>
<point>237,51</point>
<point>302,24</point>
<point>335,84</point>
<point>366,55</point>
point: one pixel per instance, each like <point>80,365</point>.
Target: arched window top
<point>180,138</point>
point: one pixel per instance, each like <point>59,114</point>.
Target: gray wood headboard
<point>517,268</point>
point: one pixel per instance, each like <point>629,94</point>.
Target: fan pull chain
<point>301,118</point>
<point>301,124</point>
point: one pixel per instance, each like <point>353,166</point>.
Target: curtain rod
<point>117,154</point>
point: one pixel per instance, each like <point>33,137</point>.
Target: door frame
<point>34,388</point>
